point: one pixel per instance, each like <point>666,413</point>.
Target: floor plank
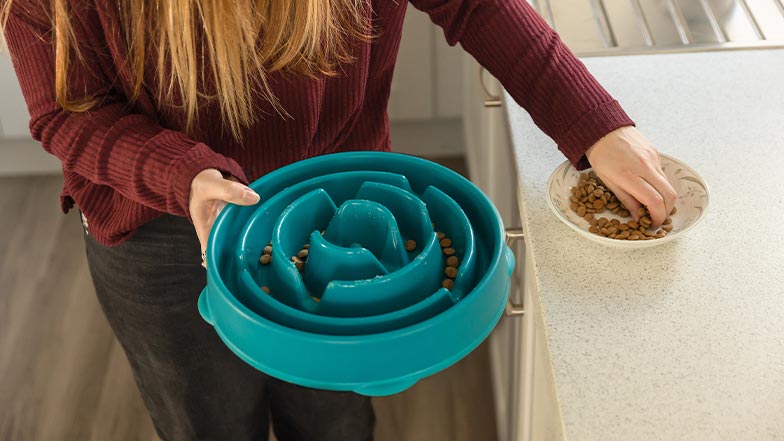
<point>63,376</point>
<point>122,418</point>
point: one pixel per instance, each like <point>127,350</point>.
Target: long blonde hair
<point>241,43</point>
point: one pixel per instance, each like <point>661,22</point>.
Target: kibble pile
<point>451,262</point>
<point>591,197</point>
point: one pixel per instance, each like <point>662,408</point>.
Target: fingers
<point>628,201</point>
<point>655,192</point>
<point>651,198</point>
<point>209,194</point>
<point>202,225</point>
<point>204,219</point>
<point>662,185</point>
<point>203,233</point>
<point>631,168</point>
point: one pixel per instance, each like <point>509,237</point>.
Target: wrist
<point>588,131</point>
<point>606,139</point>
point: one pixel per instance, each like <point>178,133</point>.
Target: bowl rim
<point>619,243</point>
<point>497,254</point>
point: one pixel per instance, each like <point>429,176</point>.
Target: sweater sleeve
<point>108,144</point>
<point>511,41</point>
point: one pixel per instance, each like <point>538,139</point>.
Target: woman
<point>162,110</point>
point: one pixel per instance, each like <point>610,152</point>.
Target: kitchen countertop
<point>684,341</point>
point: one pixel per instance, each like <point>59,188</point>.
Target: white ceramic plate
<point>693,199</point>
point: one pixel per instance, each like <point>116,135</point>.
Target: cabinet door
<point>491,163</point>
<point>13,110</point>
<point>19,154</point>
<point>540,410</point>
<point>447,78</point>
<point>411,96</point>
<point>491,168</point>
<point>427,77</point>
<point>526,407</point>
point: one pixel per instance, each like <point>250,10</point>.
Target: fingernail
<point>250,195</point>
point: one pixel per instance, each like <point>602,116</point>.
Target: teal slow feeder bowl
<point>366,314</point>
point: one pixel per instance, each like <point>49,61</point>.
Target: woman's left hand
<point>629,165</point>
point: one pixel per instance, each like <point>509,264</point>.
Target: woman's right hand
<point>210,192</point>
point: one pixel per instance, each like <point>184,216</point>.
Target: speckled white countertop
<point>684,341</point>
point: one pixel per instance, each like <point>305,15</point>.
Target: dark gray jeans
<point>192,385</point>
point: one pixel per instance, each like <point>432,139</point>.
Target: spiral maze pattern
<point>364,314</point>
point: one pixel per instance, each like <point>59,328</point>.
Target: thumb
<point>237,193</point>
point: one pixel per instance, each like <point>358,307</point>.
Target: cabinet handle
<point>490,100</point>
<point>514,309</point>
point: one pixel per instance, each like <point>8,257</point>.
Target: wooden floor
<point>63,377</point>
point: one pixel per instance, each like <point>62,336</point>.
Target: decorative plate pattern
<point>693,200</point>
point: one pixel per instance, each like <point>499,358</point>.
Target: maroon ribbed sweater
<point>126,164</point>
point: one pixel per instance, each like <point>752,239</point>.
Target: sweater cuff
<point>591,127</point>
<point>197,159</point>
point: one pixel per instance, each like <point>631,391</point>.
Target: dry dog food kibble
<point>299,263</point>
<point>266,255</point>
<point>591,196</point>
<point>410,245</point>
<point>451,261</point>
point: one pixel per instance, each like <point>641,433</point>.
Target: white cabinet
<point>425,103</point>
<point>488,151</point>
<point>427,77</point>
<point>13,111</point>
<point>525,404</point>
<point>411,95</point>
<point>490,167</point>
<point>19,154</point>
<point>538,414</point>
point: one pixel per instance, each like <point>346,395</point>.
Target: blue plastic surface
<point>365,314</point>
